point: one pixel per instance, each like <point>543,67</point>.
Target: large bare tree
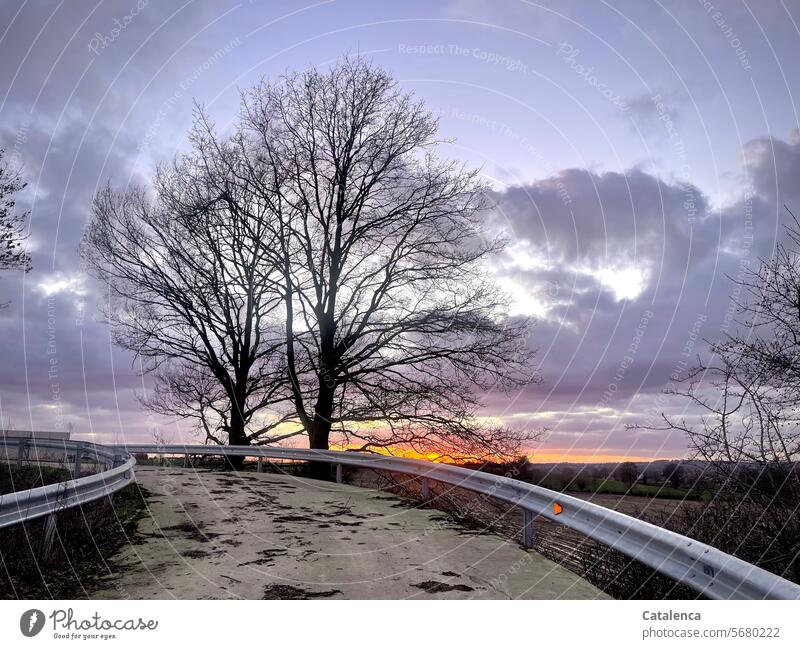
<point>394,328</point>
<point>12,236</point>
<point>373,311</point>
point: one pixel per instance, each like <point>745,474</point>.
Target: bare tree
<point>748,433</point>
<point>12,254</point>
<point>673,474</point>
<point>393,327</point>
<point>191,293</point>
<point>318,270</point>
<point>627,472</point>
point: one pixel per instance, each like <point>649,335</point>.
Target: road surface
<point>211,534</point>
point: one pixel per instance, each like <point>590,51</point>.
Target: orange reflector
<point>557,509</point>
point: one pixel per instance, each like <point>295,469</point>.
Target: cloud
<point>773,166</point>
<point>51,285</point>
<point>628,286</point>
<point>581,232</point>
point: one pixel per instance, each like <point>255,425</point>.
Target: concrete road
<point>261,536</point>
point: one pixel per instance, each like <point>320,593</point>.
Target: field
<point>613,486</point>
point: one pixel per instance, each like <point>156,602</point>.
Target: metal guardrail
<point>48,501</point>
<point>706,569</point>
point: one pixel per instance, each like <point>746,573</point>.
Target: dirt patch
<point>282,591</point>
<point>231,542</point>
<point>192,531</point>
<point>195,554</point>
<point>441,587</point>
<point>231,482</point>
<point>291,518</point>
<point>267,557</point>
<point>316,517</point>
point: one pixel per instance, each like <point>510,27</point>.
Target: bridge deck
<point>226,535</point>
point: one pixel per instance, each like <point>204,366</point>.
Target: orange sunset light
<point>548,456</point>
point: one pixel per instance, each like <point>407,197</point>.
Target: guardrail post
<point>426,490</point>
<point>527,528</point>
<point>260,463</point>
<point>186,461</point>
<point>20,452</point>
<point>339,473</point>
<point>78,454</point>
<point>48,533</point>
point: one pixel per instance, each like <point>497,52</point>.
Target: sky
<point>640,153</point>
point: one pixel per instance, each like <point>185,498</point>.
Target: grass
<point>86,539</point>
<point>29,477</point>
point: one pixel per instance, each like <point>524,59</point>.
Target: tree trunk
<point>318,439</point>
<point>320,432</point>
<point>318,436</point>
<point>236,437</point>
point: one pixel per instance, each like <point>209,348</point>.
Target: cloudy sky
<point>641,154</point>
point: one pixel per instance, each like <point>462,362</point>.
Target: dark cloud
<point>598,351</point>
<point>583,217</point>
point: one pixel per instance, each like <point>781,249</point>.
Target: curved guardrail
<point>706,569</point>
<point>21,506</point>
